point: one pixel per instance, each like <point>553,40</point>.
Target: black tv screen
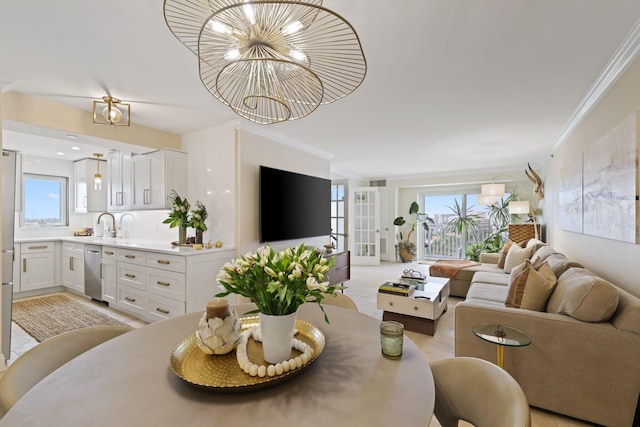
<point>293,206</point>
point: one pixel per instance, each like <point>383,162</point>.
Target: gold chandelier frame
<point>270,61</point>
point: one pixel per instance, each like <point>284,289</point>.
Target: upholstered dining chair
<point>478,392</point>
<point>39,361</point>
<point>340,300</point>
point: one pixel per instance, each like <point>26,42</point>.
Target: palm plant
<point>463,222</point>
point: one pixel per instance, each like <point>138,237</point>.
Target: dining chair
<point>478,392</point>
<point>340,300</point>
<point>39,361</point>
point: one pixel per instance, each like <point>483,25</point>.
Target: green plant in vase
<point>406,246</point>
<point>179,216</point>
<point>197,221</point>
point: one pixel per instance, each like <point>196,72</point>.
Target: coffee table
<point>420,311</point>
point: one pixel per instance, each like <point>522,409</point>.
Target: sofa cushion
<point>560,263</point>
<point>487,292</point>
<point>516,256</point>
<point>534,244</point>
<point>584,296</point>
<point>541,254</point>
<point>494,278</point>
<point>530,286</point>
<point>505,251</point>
<point>627,315</point>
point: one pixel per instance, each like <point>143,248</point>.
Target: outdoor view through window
<point>44,200</point>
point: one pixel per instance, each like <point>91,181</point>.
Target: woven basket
<point>523,232</point>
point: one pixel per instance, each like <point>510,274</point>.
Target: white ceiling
<point>452,85</point>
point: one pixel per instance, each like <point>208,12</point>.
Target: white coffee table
<point>420,311</point>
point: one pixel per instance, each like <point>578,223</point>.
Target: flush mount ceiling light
<point>270,61</point>
<point>111,111</point>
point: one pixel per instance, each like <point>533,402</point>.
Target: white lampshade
<point>519,207</point>
<point>487,200</point>
<point>495,190</point>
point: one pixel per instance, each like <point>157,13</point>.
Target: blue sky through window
<point>42,200</point>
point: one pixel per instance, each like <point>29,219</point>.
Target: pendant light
<point>97,178</point>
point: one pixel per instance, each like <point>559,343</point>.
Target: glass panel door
<point>365,224</point>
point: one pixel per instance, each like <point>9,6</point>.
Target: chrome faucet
<point>113,222</point>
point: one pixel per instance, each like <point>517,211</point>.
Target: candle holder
<point>391,339</point>
<point>219,329</point>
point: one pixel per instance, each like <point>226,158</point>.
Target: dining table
<point>129,381</point>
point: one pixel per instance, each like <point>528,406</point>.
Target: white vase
<point>277,336</point>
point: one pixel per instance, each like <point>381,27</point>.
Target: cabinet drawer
<point>339,275</point>
<point>424,308</point>
<point>36,247</point>
<point>166,283</point>
<point>75,248</point>
<point>132,275</point>
<point>132,300</point>
<point>341,260</point>
<point>109,253</point>
<point>167,262</point>
<point>164,308</point>
<point>131,257</point>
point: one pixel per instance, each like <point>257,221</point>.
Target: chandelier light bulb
<point>232,54</point>
<point>219,27</point>
<point>248,11</point>
<point>112,114</point>
<point>298,55</point>
<point>294,27</point>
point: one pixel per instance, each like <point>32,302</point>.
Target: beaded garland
<point>279,368</point>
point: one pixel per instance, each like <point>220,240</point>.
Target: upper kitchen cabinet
<point>87,198</point>
<point>119,189</point>
<point>152,177</point>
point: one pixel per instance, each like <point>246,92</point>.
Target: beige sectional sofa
<point>584,356</point>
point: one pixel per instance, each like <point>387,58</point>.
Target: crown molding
<point>624,56</point>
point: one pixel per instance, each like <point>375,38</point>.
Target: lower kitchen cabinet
<point>73,266</point>
<point>108,276</point>
<point>37,266</point>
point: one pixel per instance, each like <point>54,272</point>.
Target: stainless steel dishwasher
<point>92,279</point>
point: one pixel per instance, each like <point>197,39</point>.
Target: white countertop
<point>128,243</point>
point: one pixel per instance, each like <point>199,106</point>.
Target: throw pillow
<point>516,256</point>
<point>535,244</point>
<point>530,287</point>
<point>583,295</point>
<point>541,254</point>
<point>505,250</point>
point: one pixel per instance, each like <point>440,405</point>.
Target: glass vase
<point>198,237</point>
<point>182,233</point>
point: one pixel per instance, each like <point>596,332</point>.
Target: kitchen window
<point>44,201</point>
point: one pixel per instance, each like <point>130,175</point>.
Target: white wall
<point>613,260</point>
<point>212,174</point>
<point>255,150</point>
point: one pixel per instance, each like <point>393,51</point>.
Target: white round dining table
<point>128,381</point>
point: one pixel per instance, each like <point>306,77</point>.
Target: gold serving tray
<point>221,373</point>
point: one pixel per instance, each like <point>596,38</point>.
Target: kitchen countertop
<point>128,243</point>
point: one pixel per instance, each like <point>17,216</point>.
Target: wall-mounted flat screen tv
<point>293,206</point>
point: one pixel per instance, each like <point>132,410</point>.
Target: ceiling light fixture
<point>270,61</point>
<point>111,111</point>
<point>97,178</point>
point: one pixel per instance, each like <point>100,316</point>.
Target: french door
<point>364,223</point>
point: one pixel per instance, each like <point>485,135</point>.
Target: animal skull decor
<point>538,189</point>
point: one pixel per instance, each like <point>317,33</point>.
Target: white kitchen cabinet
<point>87,198</point>
<point>108,276</point>
<point>73,266</point>
<point>119,181</point>
<point>37,266</point>
<point>155,175</point>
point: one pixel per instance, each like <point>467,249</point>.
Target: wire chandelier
<point>270,61</point>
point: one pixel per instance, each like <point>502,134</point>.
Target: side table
<point>502,336</point>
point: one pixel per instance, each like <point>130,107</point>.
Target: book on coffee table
<point>402,289</point>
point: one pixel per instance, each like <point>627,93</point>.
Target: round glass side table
<point>502,336</point>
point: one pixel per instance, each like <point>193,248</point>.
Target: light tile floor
<point>362,288</point>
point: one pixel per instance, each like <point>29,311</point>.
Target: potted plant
<point>406,247</point>
<point>179,216</point>
<point>278,283</point>
<point>197,221</point>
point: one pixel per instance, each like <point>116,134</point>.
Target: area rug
<point>51,315</point>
